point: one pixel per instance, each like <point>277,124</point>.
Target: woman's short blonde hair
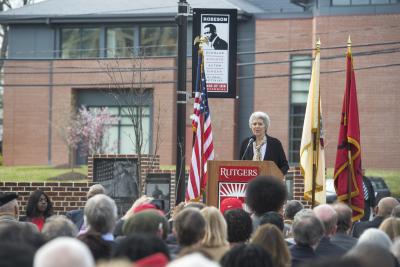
<point>259,115</point>
<point>216,228</point>
<point>391,226</point>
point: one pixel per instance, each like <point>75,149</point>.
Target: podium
<point>229,178</point>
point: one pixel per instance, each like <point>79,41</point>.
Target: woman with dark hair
<point>39,208</point>
<point>250,255</point>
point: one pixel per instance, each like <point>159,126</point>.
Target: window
<point>158,41</point>
<point>120,138</point>
<point>80,42</point>
<point>300,79</point>
<point>120,42</point>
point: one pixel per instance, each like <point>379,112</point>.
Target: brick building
<point>61,52</point>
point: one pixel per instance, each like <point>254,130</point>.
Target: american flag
<point>203,146</point>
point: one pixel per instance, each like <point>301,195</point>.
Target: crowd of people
<point>267,230</point>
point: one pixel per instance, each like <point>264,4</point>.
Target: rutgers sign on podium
<point>230,178</point>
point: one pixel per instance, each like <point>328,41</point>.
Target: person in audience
<point>369,196</point>
<point>193,260</point>
<point>391,226</point>
<point>101,249</point>
<point>376,237</point>
<point>189,228</point>
<point>148,222</point>
<point>39,208</point>
<point>215,240</point>
<point>304,212</point>
<point>383,210</point>
<point>101,215</point>
<point>21,233</point>
<point>250,255</point>
<point>307,231</point>
<point>291,208</point>
<point>230,203</point>
<point>144,202</point>
<point>372,255</point>
<point>342,237</point>
<point>9,210</point>
<point>396,249</point>
<point>327,215</point>
<point>396,212</point>
<point>76,216</point>
<point>263,194</point>
<point>239,226</point>
<point>271,239</point>
<point>64,252</point>
<point>116,263</point>
<point>274,218</point>
<point>57,226</point>
<point>139,246</point>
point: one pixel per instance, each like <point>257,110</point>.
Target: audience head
<point>344,214</point>
<point>396,211</point>
<point>274,218</point>
<point>271,239</point>
<point>307,230</point>
<point>334,262</point>
<point>139,246</point>
<point>376,237</point>
<point>216,232</point>
<point>57,226</point>
<point>230,203</point>
<point>193,260</point>
<point>95,190</point>
<point>147,222</point>
<point>291,208</point>
<point>265,193</point>
<point>246,256</point>
<point>391,226</point>
<point>239,225</point>
<point>189,226</point>
<point>101,213</point>
<point>372,255</point>
<point>9,204</point>
<point>39,204</point>
<point>21,233</point>
<point>328,217</point>
<point>100,248</point>
<point>196,205</point>
<point>386,206</point>
<point>64,252</point>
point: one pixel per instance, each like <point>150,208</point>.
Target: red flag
<point>203,147</point>
<point>348,155</point>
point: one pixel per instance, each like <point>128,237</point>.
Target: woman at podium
<point>261,146</point>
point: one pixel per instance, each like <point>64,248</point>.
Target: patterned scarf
<point>257,150</point>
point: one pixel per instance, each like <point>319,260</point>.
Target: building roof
<point>63,11</point>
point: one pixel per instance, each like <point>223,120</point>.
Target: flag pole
<point>350,165</point>
<point>314,136</point>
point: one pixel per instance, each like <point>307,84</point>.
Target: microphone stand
<point>251,140</point>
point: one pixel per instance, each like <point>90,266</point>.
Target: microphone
<point>251,140</point>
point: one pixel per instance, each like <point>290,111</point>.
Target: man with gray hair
<point>328,217</point>
<point>342,237</point>
<point>64,252</point>
<point>307,231</point>
<point>101,215</point>
<point>383,210</point>
<point>76,216</point>
<point>57,226</point>
<point>9,211</point>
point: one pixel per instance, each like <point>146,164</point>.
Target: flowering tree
<point>88,130</point>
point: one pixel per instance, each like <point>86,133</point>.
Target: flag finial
<point>349,44</point>
<point>318,45</point>
<point>200,40</point>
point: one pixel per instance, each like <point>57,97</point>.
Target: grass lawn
<point>35,173</point>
